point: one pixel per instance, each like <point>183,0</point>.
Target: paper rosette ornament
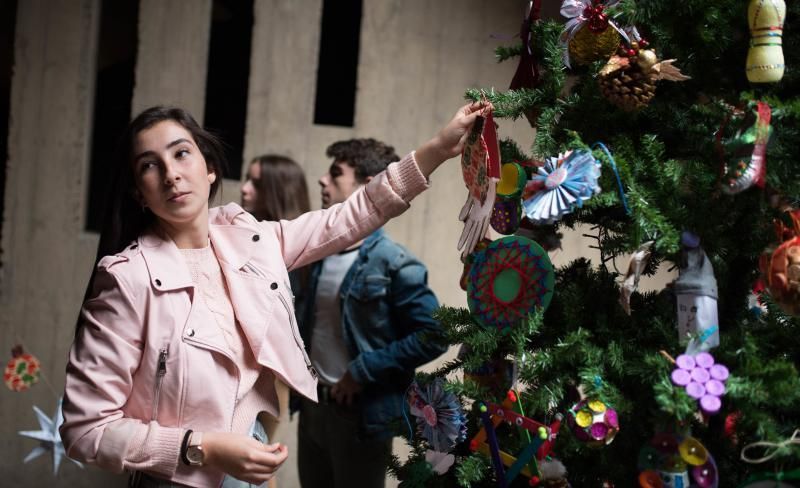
<point>589,35</point>
<point>748,161</point>
<point>593,422</point>
<point>780,266</point>
<point>508,281</point>
<point>561,185</point>
<point>22,370</point>
<point>703,379</point>
<point>440,419</point>
<point>671,461</point>
<point>765,57</point>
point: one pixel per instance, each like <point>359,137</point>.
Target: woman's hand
<point>449,141</point>
<point>242,456</point>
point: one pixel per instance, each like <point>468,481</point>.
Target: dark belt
<point>324,396</point>
<point>142,480</point>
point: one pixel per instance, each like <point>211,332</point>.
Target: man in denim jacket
<point>365,317</point>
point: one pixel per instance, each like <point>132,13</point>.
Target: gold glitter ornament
<point>588,46</point>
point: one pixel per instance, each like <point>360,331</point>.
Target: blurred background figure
<point>275,189</point>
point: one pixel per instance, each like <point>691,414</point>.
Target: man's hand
<point>345,390</point>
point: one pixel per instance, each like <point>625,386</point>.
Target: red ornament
<point>731,423</point>
<point>534,481</point>
<point>473,445</point>
<point>631,52</point>
<point>780,266</point>
<point>512,396</point>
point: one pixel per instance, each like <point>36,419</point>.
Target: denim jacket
<point>386,308</point>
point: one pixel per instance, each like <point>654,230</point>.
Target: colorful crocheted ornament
<point>440,419</point>
<point>508,281</point>
<point>561,185</point>
<point>22,371</point>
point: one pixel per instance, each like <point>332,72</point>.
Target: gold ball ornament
<point>765,62</point>
<point>646,59</point>
<point>588,46</point>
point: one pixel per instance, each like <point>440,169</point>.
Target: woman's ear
<point>212,177</point>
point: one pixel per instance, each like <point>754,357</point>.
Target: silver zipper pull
<point>162,362</point>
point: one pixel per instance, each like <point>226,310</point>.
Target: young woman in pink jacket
<point>189,319</point>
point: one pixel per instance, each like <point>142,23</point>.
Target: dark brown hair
<point>367,156</point>
<point>125,219</point>
<point>281,190</point>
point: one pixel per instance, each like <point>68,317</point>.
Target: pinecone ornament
<point>629,80</point>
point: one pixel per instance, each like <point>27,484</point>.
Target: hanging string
<point>771,449</point>
<point>616,173</point>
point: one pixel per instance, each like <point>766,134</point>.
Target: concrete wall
<point>417,58</point>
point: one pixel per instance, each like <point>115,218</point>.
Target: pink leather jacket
<point>143,366</point>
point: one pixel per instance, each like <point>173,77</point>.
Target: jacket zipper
<point>297,339</point>
<point>161,370</point>
<point>295,331</point>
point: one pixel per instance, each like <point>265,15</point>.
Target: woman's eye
<point>181,153</point>
<point>145,166</point>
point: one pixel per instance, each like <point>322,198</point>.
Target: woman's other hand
<point>449,141</point>
<point>242,456</point>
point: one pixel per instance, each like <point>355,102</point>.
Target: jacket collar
<point>232,244</point>
<point>371,241</point>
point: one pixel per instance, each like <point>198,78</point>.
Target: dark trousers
<point>330,453</point>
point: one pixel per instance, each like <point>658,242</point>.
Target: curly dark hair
<point>367,156</point>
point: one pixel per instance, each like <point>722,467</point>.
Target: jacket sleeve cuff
<point>358,370</point>
<point>149,447</point>
<point>406,178</point>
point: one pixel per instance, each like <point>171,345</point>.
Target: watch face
<point>194,454</point>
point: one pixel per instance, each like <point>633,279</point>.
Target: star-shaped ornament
<point>48,436</point>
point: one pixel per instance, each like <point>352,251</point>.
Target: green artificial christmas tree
<point>676,160</point>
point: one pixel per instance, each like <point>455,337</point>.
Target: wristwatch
<point>194,449</point>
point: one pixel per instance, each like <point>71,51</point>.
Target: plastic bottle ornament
<point>507,210</point>
<point>496,374</point>
<point>593,422</point>
<point>747,163</point>
<point>780,267</point>
<point>672,461</point>
<point>696,294</point>
<point>765,62</point>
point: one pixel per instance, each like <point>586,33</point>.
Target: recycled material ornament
<point>527,74</point>
<point>507,210</point>
<point>49,437</point>
<point>440,419</point>
<point>748,163</point>
<point>765,57</point>
<point>673,461</point>
<point>22,370</point>
<point>561,185</point>
<point>628,80</point>
<point>703,379</point>
<point>480,165</point>
<point>508,281</point>
<point>696,297</point>
<point>538,440</point>
<point>497,374</point>
<point>593,422</point>
<point>589,35</point>
<point>780,266</point>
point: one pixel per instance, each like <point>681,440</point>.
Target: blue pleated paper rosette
<point>561,185</point>
<point>439,417</point>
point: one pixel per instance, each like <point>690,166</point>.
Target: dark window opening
<point>228,77</point>
<point>337,69</point>
<point>116,64</point>
<point>8,20</point>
